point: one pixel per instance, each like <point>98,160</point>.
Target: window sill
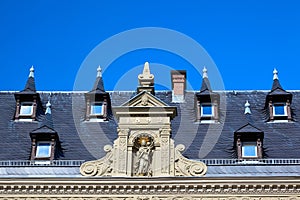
<point>280,121</point>
<point>209,121</point>
<point>42,162</point>
<point>25,120</point>
<point>95,120</point>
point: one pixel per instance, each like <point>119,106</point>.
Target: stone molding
<point>154,198</point>
<point>172,188</point>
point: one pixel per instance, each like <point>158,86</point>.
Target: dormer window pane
<point>207,110</point>
<point>43,150</point>
<point>26,109</point>
<point>97,109</point>
<point>279,109</point>
<point>249,149</point>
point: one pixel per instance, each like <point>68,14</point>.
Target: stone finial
<point>146,78</point>
<point>204,75</point>
<point>48,108</point>
<point>247,108</point>
<point>31,73</point>
<point>99,71</point>
<point>275,74</point>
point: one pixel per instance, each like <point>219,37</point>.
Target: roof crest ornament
<point>146,79</point>
<point>99,71</point>
<point>275,74</point>
<point>31,73</point>
<point>247,108</point>
<point>48,107</point>
<point>204,75</point>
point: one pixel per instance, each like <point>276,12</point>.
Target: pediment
<point>145,99</point>
<point>248,128</point>
<point>279,91</point>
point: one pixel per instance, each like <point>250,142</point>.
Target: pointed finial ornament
<point>275,74</point>
<point>48,108</point>
<point>146,78</point>
<point>247,108</point>
<point>31,73</point>
<point>99,71</point>
<point>204,75</point>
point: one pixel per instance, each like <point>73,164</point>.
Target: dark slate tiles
<point>81,140</point>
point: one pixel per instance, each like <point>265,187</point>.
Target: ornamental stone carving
<point>186,167</point>
<point>144,147</point>
<point>101,167</point>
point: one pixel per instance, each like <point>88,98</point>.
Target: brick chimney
<point>178,78</point>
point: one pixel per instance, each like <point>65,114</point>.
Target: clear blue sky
<point>245,39</point>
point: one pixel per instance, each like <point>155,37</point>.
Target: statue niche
<point>143,154</point>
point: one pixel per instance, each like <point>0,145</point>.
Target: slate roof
<point>213,171</point>
<point>85,140</point>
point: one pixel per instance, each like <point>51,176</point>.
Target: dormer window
<point>207,110</point>
<point>45,144</point>
<point>207,102</point>
<point>248,141</point>
<point>279,109</point>
<point>43,149</point>
<point>27,101</point>
<point>249,150</point>
<point>97,108</point>
<point>26,109</point>
<point>278,102</point>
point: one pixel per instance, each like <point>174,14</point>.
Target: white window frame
<point>212,110</point>
<point>37,149</point>
<point>249,144</point>
<point>91,108</point>
<point>284,109</point>
<point>27,104</point>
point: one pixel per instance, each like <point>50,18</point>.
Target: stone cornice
<point>172,186</point>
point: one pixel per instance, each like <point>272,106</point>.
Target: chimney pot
<point>178,78</point>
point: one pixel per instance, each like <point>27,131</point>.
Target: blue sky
<point>245,40</point>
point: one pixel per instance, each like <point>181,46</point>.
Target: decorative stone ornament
<point>144,147</point>
<point>146,80</point>
<point>247,108</point>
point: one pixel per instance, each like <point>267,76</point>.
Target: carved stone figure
<point>144,158</point>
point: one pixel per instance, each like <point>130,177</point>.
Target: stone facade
<point>151,189</point>
<point>144,146</point>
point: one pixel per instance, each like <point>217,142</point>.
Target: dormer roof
<point>30,84</point>
<point>248,128</point>
<point>205,87</point>
<point>205,90</point>
<point>98,87</point>
<point>46,128</point>
<point>248,131</point>
<point>277,89</point>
